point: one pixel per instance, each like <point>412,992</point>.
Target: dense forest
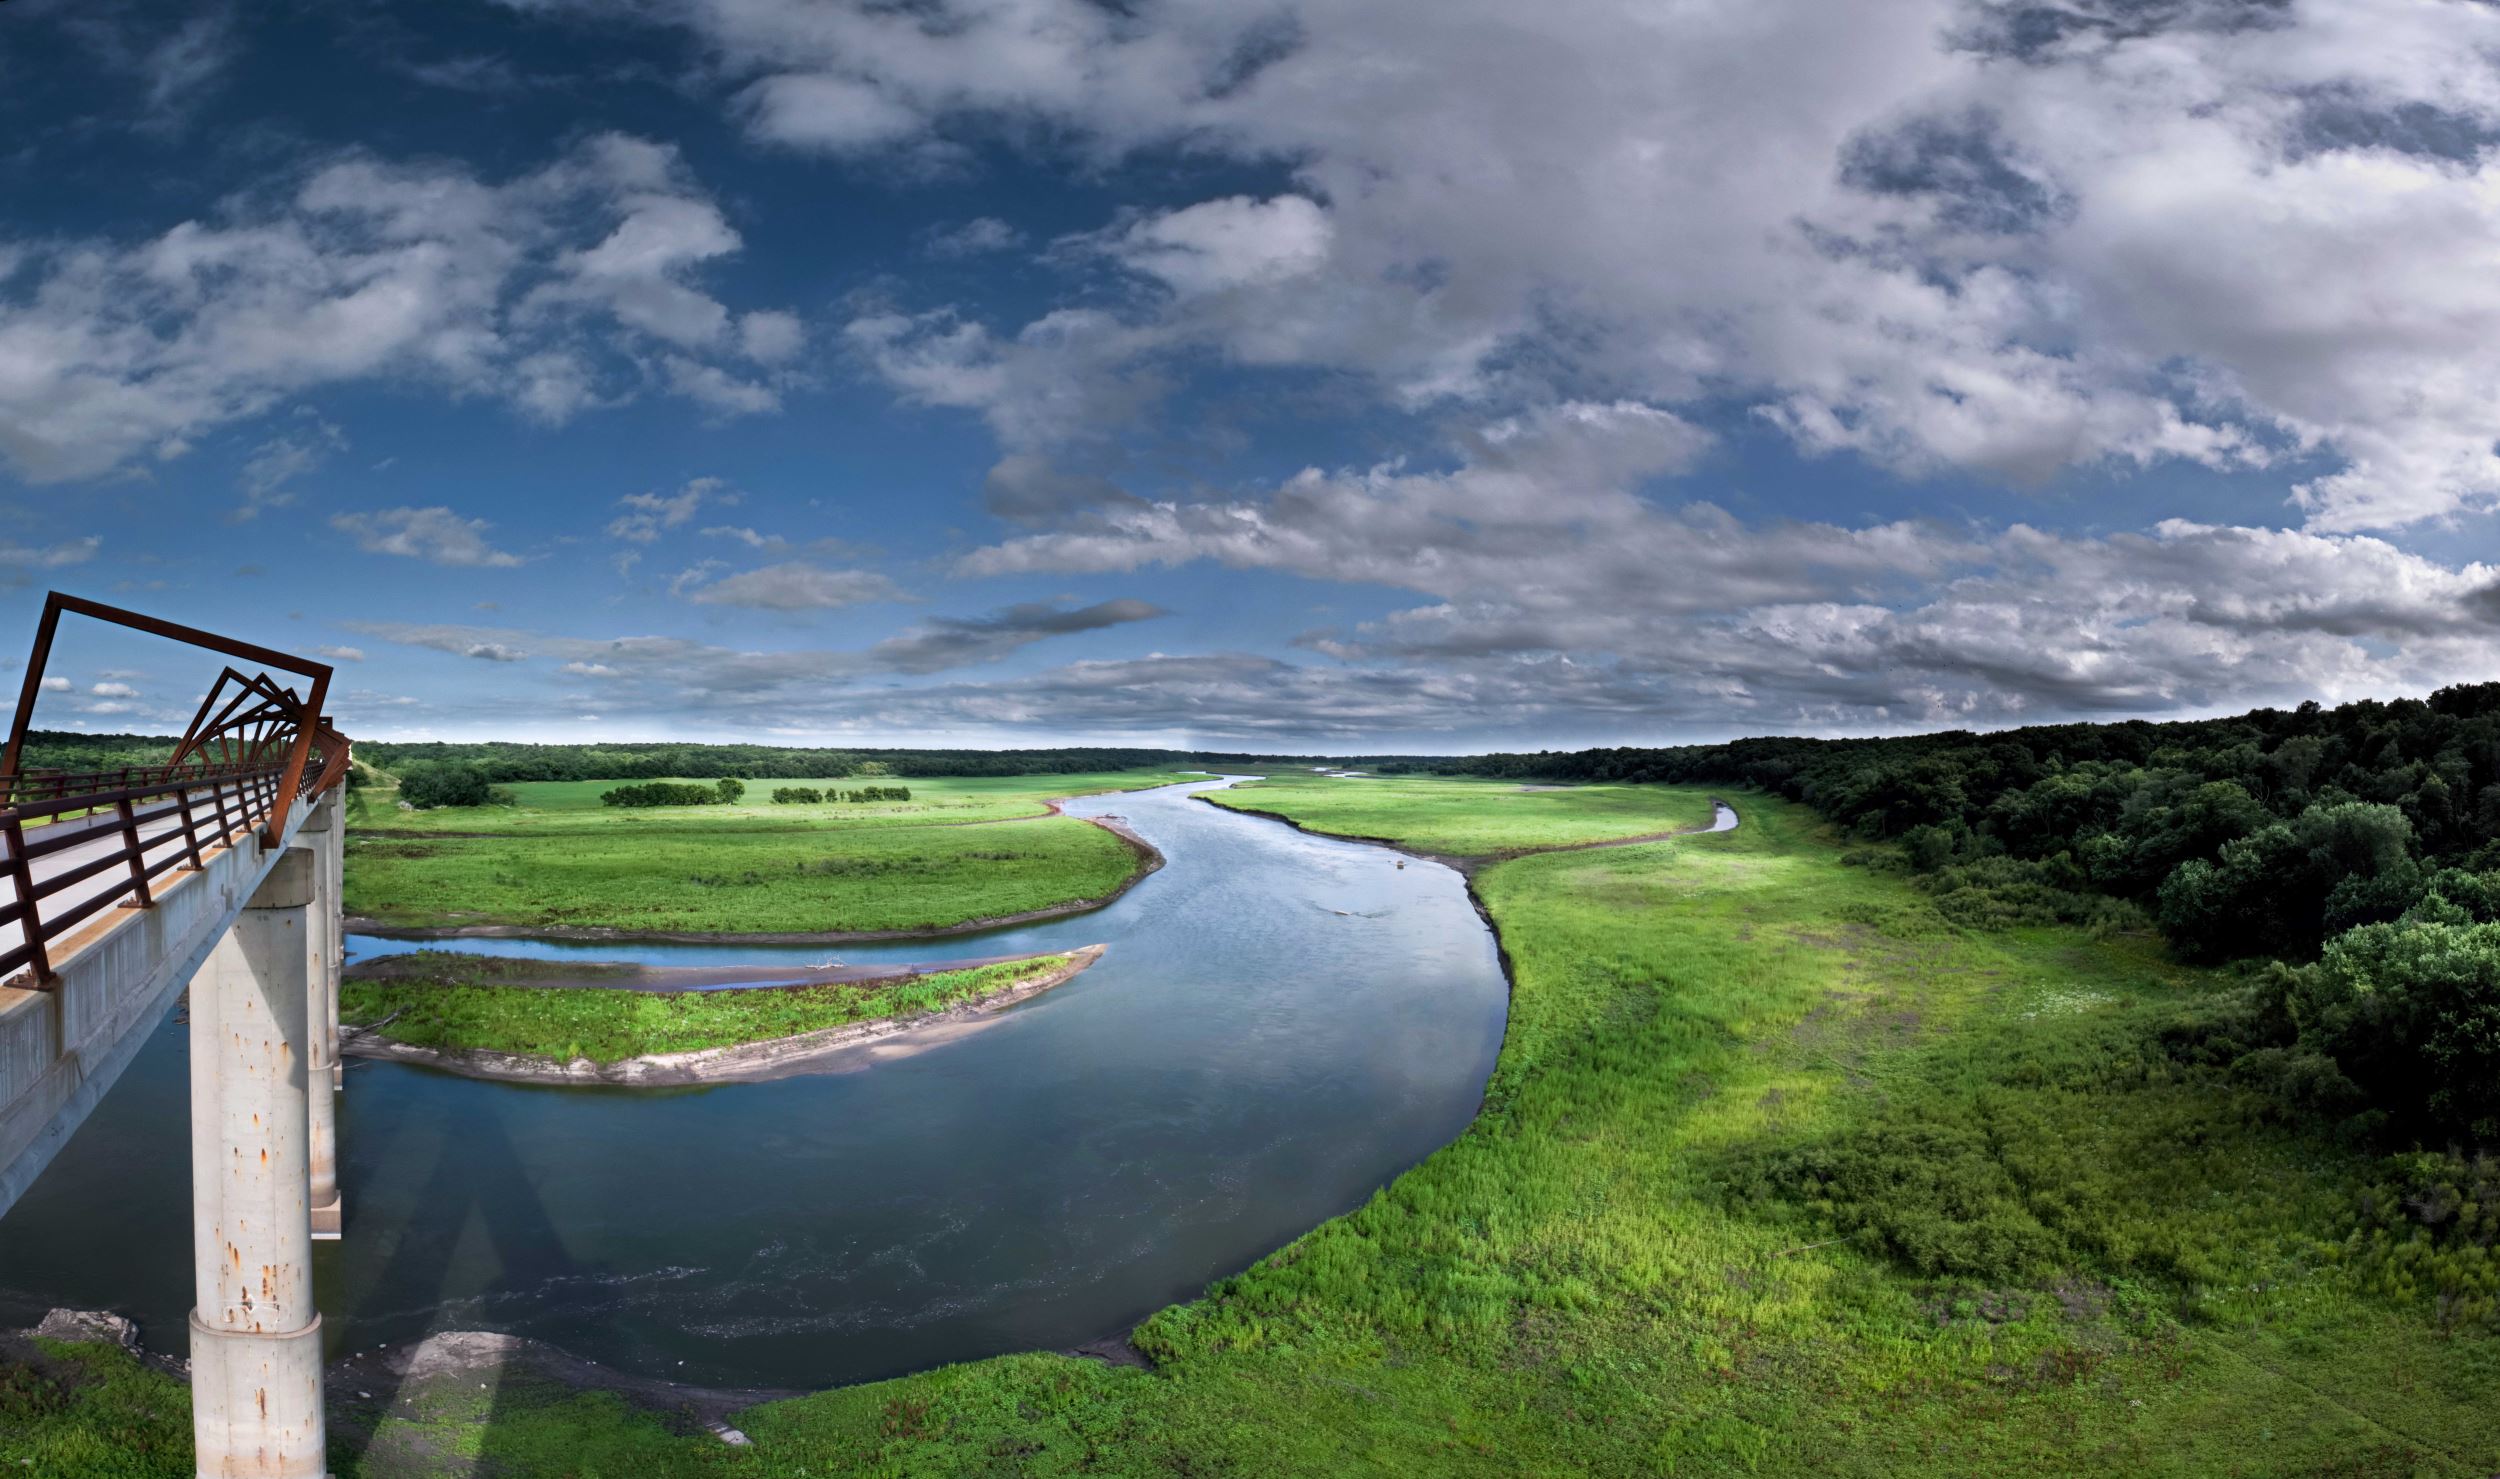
<point>2349,857</point>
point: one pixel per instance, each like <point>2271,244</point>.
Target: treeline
<point>505,763</point>
<point>2358,848</point>
<point>63,750</point>
<point>810,796</point>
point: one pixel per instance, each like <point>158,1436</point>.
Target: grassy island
<point>1462,817</point>
<point>464,1003</point>
<point>959,850</point>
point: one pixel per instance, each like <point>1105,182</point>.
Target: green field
<point>1470,818</point>
<point>560,858</point>
<point>462,1001</point>
<point>1779,1172</point>
<point>572,807</point>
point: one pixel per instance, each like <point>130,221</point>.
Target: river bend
<point>1282,1023</point>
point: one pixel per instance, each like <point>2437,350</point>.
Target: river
<point>1281,1024</point>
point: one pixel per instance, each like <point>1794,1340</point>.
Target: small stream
<point>1282,1023</point>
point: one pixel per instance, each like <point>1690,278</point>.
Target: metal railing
<point>252,752</point>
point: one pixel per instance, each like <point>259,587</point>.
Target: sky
<point>1299,375</point>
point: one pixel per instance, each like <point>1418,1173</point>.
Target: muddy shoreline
<point>737,1063</point>
<point>1149,860</point>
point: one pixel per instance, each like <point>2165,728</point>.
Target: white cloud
<point>561,290</point>
<point>647,515</point>
<point>274,467</point>
<point>436,535</point>
<point>114,690</point>
<point>342,654</point>
<point>55,685</point>
<point>771,337</point>
<point>1229,243</point>
<point>50,556</point>
<point>977,237</point>
<point>795,586</point>
<point>1942,234</point>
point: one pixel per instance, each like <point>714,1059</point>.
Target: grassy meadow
<point>1780,1172</point>
<point>559,858</point>
<point>454,1004</point>
<point>1463,817</point>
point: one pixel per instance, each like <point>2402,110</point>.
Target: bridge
<point>217,870</point>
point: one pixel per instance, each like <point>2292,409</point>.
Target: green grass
<point>1656,1250</point>
<point>91,1411</point>
<point>562,859</point>
<point>1470,818</point>
<point>572,807</point>
<point>460,1008</point>
<point>665,874</point>
<point>1591,1279</point>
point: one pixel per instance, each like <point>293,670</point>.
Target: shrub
<point>730,789</point>
<point>2411,1013</point>
<point>797,795</point>
<point>2434,1227</point>
<point>661,793</point>
<point>1934,1196</point>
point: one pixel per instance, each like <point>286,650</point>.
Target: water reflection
<point>1281,1024</point>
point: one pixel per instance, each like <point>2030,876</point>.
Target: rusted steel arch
<point>253,751</point>
<point>254,725</point>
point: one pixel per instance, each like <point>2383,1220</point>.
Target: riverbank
<point>558,1030</point>
<point>1779,1172</point>
<point>792,875</point>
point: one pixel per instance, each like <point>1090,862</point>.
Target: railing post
<point>255,1334</point>
<point>190,826</point>
<point>28,922</point>
<point>130,839</point>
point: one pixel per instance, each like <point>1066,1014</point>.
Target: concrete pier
<point>255,1335</point>
<point>322,835</point>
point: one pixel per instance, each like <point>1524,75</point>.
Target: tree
<point>730,789</point>
<point>429,786</point>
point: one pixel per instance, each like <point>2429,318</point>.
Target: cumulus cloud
<point>436,535</point>
<point>575,286</point>
<point>1541,566</point>
<point>1941,234</point>
<point>1229,243</point>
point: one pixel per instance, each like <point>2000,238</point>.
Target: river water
<point>1282,1023</point>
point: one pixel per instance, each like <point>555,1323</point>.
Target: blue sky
<point>1304,375</point>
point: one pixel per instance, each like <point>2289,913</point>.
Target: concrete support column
<point>255,1335</point>
<point>333,902</point>
<point>321,834</point>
